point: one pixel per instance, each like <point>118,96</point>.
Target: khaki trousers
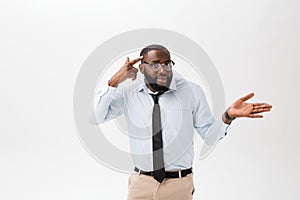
<point>143,187</point>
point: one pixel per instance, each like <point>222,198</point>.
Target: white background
<point>254,45</point>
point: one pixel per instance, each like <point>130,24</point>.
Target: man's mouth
<point>162,80</point>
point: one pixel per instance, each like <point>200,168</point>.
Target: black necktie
<point>157,143</point>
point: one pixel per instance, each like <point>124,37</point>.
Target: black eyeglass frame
<point>157,66</point>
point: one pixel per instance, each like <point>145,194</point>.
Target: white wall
<point>254,45</point>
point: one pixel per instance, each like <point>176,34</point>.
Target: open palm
<point>242,109</point>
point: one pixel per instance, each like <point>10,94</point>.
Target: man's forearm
<point>113,82</point>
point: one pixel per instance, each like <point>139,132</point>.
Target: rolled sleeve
<point>108,104</point>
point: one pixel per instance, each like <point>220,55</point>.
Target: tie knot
<point>155,97</point>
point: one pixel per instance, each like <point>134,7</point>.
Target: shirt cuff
<point>226,128</point>
<point>106,90</point>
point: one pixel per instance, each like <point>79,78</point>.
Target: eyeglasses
<point>157,66</point>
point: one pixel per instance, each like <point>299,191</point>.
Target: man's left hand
<point>242,109</point>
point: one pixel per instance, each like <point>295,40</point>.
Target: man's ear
<point>141,68</point>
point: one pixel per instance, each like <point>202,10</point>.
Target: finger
<point>260,110</point>
<point>255,116</point>
<point>133,69</point>
<point>248,96</point>
<point>132,75</point>
<point>127,60</point>
<point>258,104</point>
<point>135,60</point>
<point>261,107</point>
<point>262,104</point>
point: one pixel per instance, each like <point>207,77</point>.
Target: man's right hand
<point>127,71</point>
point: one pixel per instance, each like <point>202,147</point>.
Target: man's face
<point>161,79</point>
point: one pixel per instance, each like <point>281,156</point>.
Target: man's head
<point>156,66</point>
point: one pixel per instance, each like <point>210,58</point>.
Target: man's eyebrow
<point>157,61</point>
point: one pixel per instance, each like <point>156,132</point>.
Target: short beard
<point>156,87</point>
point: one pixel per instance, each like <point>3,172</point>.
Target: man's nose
<point>162,70</point>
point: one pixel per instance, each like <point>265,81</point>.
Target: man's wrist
<point>227,118</point>
<point>113,83</point>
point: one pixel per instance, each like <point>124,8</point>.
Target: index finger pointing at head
<point>135,60</point>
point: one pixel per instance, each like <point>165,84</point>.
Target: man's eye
<point>155,65</point>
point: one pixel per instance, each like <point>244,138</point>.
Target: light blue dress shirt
<point>183,108</point>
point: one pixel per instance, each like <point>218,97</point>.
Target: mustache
<point>162,76</point>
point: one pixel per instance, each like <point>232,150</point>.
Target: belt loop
<point>179,173</point>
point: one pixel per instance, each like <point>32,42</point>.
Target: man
<point>162,112</point>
